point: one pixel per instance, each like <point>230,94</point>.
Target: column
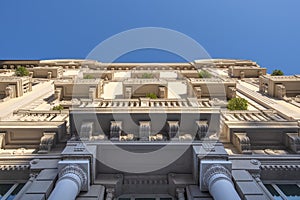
<point>72,179</point>
<point>220,185</point>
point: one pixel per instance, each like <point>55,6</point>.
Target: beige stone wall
<point>190,73</point>
<point>78,89</point>
<point>105,75</point>
<point>215,89</point>
<point>147,89</point>
<point>290,84</point>
<point>18,85</point>
<point>43,72</point>
<point>28,134</point>
<point>13,64</point>
<point>246,72</point>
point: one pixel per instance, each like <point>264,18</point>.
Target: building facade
<point>149,131</point>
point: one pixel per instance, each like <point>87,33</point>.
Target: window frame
<point>277,189</point>
<point>12,188</point>
<point>154,196</point>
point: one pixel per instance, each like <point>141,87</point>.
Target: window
<point>284,191</point>
<point>274,193</point>
<point>4,189</point>
<point>145,197</point>
<point>10,191</point>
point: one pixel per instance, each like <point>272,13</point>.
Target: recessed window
<point>274,193</point>
<point>145,197</point>
<point>291,191</point>
<point>284,191</point>
<point>10,191</point>
<point>4,189</point>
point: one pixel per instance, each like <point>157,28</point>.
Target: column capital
<point>75,173</point>
<point>76,170</point>
<point>216,179</point>
<point>215,169</point>
<point>215,173</point>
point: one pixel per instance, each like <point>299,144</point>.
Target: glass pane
<point>15,192</point>
<point>274,193</point>
<point>4,188</point>
<point>144,198</point>
<point>292,192</point>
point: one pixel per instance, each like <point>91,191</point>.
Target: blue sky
<point>266,31</point>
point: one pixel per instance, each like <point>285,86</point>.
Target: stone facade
<point>12,87</point>
<point>246,71</point>
<point>46,72</point>
<point>112,141</point>
<point>83,88</point>
<point>280,86</point>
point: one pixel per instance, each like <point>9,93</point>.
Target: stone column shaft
<point>65,189</point>
<point>223,189</point>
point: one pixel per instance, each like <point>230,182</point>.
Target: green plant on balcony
<point>58,107</point>
<point>204,74</point>
<point>237,104</point>
<point>147,75</point>
<point>277,72</point>
<point>22,71</point>
<point>151,96</point>
<point>88,76</point>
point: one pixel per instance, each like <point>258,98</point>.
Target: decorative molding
<point>242,142</point>
<point>180,193</point>
<point>292,141</point>
<point>13,167</point>
<point>209,146</point>
<point>145,130</point>
<point>256,176</point>
<point>186,137</point>
<point>110,193</point>
<point>80,147</point>
<point>49,75</point>
<point>127,137</point>
<point>115,130</point>
<point>153,180</point>
<point>157,137</point>
<point>231,92</point>
<point>281,167</point>
<point>58,93</point>
<point>86,130</point>
<point>2,140</point>
<point>47,142</point>
<point>33,175</point>
<point>197,91</point>
<point>173,131</point>
<point>202,128</point>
